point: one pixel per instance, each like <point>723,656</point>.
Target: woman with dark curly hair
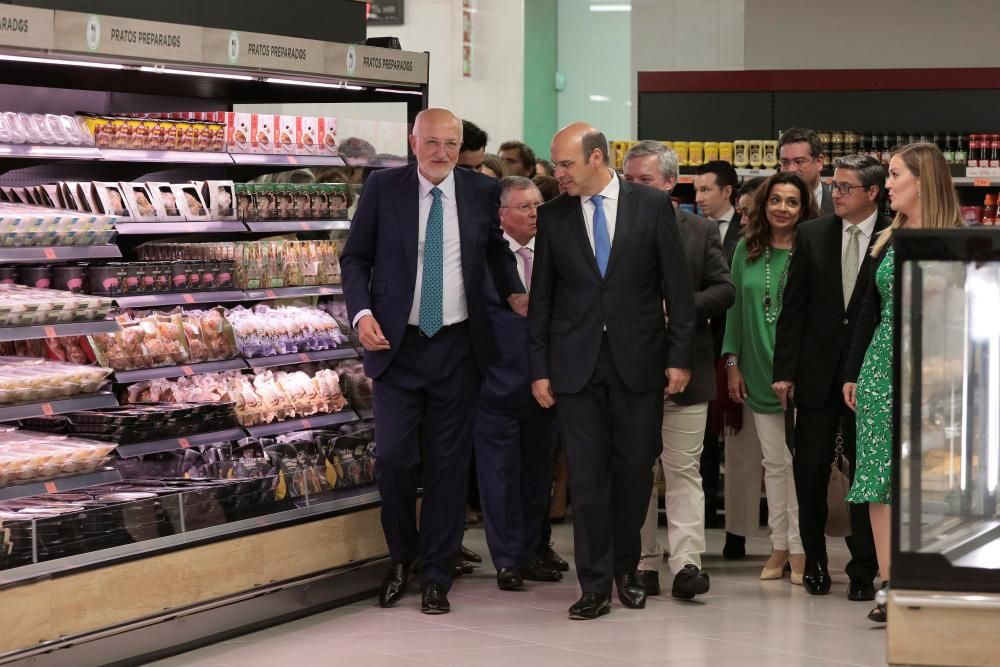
<point>759,270</point>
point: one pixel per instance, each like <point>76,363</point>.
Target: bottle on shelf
<point>994,150</point>
<point>973,156</point>
<point>886,148</point>
<point>989,210</point>
<point>961,149</point>
<point>948,149</point>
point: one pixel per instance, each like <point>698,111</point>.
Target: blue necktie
<point>432,281</point>
<point>602,240</point>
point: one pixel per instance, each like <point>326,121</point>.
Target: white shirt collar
<point>611,190</point>
<point>447,186</point>
<point>728,215</point>
<point>818,194</point>
<point>867,226</point>
<point>515,246</point>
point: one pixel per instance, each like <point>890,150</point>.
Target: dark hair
<point>870,171</point>
<point>527,155</point>
<point>725,175</point>
<point>547,185</point>
<point>473,137</point>
<point>550,169</point>
<point>795,135</point>
<point>758,232</point>
<point>750,187</point>
<point>595,140</point>
<point>495,164</point>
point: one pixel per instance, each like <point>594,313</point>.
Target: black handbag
<point>838,515</point>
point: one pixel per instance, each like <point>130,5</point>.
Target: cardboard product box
<point>140,202</point>
<point>263,129</point>
<point>286,134</point>
<point>111,200</point>
<point>307,134</point>
<point>165,201</point>
<point>220,197</point>
<point>238,132</point>
<point>326,134</point>
<point>189,202</point>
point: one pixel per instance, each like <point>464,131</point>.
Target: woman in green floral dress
<point>923,197</point>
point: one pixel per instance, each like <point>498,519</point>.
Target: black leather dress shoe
<point>630,590</point>
<point>735,548</point>
<point>690,581</point>
<point>537,571</point>
<point>462,566</point>
<point>861,590</point>
<point>816,578</point>
<point>650,580</point>
<point>470,555</point>
<point>551,559</point>
<point>394,586</point>
<point>590,605</point>
<point>509,579</point>
<point>434,599</point>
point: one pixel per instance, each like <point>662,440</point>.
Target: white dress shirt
<point>818,195</point>
<point>724,221</point>
<point>866,228</point>
<point>610,193</point>
<point>455,307</point>
<point>514,248</point>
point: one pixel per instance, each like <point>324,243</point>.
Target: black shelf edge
<point>299,226</point>
<point>57,406</point>
<point>197,227</point>
<point>170,444</point>
<point>315,421</point>
<point>126,377</point>
<point>58,252</point>
<point>291,292</point>
<point>60,484</point>
<point>178,298</point>
<point>303,357</point>
<point>56,330</point>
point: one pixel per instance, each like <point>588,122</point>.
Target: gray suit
<point>826,206</point>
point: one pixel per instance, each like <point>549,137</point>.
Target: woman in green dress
<point>759,271</point>
<point>923,197</point>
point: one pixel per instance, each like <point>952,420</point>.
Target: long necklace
<point>771,316</point>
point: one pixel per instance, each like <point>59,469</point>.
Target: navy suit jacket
<point>379,262</point>
<point>507,381</point>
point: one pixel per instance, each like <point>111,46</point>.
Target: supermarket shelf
<point>207,227</point>
<point>57,406</point>
<point>62,252</point>
<point>56,330</point>
<point>304,357</point>
<point>304,160</point>
<point>300,226</point>
<point>292,292</point>
<point>61,484</point>
<point>197,157</point>
<point>170,444</point>
<point>316,421</point>
<point>179,298</point>
<point>125,377</point>
<point>50,152</point>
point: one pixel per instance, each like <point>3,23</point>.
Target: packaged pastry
<point>286,134</point>
<point>189,202</point>
<point>140,202</point>
<point>110,199</point>
<point>327,134</point>
<point>220,198</point>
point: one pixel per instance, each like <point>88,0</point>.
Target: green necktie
<point>432,281</point>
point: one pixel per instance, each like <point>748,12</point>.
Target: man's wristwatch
<point>732,361</point>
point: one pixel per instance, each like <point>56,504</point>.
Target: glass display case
<point>946,519</point>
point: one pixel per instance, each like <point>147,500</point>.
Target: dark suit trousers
<point>429,392</point>
<point>815,433</point>
<point>612,439</point>
<point>514,460</point>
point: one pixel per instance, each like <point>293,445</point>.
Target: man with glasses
<point>607,255</point>
<point>829,275</point>
<point>416,293</point>
<point>800,152</point>
<point>684,415</point>
<point>515,437</point>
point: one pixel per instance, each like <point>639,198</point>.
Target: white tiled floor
<point>742,622</point>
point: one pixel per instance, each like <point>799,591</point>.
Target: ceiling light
<point>313,84</point>
<point>213,75</point>
<point>56,61</point>
<point>600,98</point>
<point>400,92</point>
<point>611,8</point>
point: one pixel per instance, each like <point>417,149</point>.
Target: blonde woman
<point>923,197</point>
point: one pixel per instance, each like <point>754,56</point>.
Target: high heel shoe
<point>798,564</point>
<point>778,572</point>
<point>880,614</point>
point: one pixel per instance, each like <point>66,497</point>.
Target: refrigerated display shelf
<point>57,330</point>
<point>206,227</point>
<point>191,157</point>
<point>61,484</point>
<point>290,425</point>
<point>292,292</point>
<point>303,160</point>
<point>138,375</point>
<point>56,253</point>
<point>57,406</point>
<point>49,152</point>
<point>299,225</point>
<point>171,444</point>
<point>303,357</point>
<point>179,298</point>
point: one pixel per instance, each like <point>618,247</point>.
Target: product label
<point>26,26</point>
<point>375,64</point>
<point>113,35</point>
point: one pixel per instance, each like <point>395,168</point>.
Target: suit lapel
<point>832,239</point>
<point>867,264</point>
<point>408,218</point>
<point>625,217</point>
<point>466,228</point>
<point>578,229</point>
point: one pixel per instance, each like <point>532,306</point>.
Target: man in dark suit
<point>684,415</point>
<point>515,437</point>
<point>800,152</point>
<point>415,290</point>
<point>828,277</point>
<point>607,255</point>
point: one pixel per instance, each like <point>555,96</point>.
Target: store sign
<point>26,26</point>
<point>374,64</point>
<point>113,35</point>
<point>274,52</point>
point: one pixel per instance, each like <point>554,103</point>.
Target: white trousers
<point>742,479</point>
<point>683,433</point>
<point>779,484</point>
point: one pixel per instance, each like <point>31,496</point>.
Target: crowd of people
<point>512,307</point>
